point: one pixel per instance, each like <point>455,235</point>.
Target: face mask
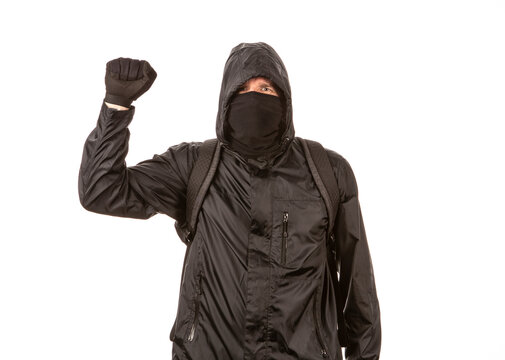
<point>255,123</point>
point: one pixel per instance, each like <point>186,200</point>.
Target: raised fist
<point>127,79</point>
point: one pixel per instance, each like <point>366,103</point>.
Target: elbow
<point>85,202</point>
<point>84,196</point>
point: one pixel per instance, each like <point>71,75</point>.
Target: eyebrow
<point>263,83</point>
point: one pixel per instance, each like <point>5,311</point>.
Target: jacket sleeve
<point>107,186</point>
<point>361,306</point>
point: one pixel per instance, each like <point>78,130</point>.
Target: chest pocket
<point>299,235</point>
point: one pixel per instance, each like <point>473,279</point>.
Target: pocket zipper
<point>323,351</point>
<point>284,244</point>
<point>191,334</point>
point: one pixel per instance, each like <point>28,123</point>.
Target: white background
<point>411,93</point>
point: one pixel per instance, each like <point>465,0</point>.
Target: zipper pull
<point>284,244</point>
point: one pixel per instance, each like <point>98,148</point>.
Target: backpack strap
<point>323,175</point>
<point>326,182</point>
<point>199,181</point>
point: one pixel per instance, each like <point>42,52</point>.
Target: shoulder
<point>183,152</point>
<point>346,180</point>
<point>181,157</point>
<point>344,173</point>
<point>185,149</point>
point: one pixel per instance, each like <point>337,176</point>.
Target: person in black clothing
<point>256,281</point>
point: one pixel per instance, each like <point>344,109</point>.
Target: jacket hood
<point>248,60</point>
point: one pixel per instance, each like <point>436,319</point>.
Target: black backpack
<point>201,177</point>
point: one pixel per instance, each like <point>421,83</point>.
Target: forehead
<point>258,80</point>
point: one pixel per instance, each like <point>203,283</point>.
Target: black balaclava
<point>255,123</point>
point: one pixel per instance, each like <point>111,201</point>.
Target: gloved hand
<point>127,79</point>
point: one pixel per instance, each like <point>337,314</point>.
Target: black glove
<point>127,79</point>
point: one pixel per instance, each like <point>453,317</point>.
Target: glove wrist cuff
<point>118,100</point>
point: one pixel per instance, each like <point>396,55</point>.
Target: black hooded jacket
<point>255,282</point>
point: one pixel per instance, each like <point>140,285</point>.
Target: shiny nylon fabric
<point>255,283</point>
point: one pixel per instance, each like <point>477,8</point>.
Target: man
<point>255,282</point>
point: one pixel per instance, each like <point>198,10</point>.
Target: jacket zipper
<point>183,275</point>
<point>194,323</point>
<point>284,243</point>
<point>323,351</point>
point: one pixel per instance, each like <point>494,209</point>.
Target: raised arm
<point>106,184</point>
